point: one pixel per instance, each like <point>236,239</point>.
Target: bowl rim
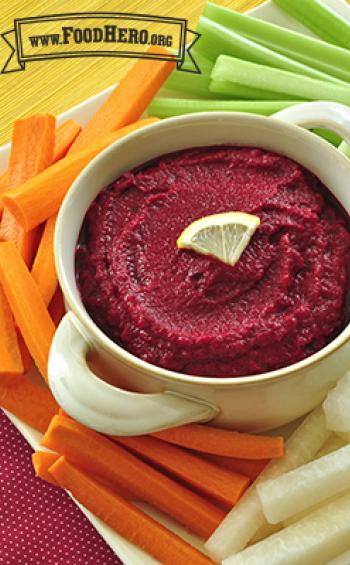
<point>116,350</point>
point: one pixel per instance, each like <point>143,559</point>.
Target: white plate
<point>127,552</point>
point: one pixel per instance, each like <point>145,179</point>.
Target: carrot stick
<point>3,182</point>
<point>40,197</point>
<point>65,134</point>
<point>44,269</point>
<point>26,242</point>
<point>11,364</point>
<point>100,456</point>
<point>30,402</point>
<point>207,439</point>
<point>27,305</point>
<point>3,188</point>
<point>223,486</point>
<point>248,467</point>
<point>26,357</point>
<point>57,308</point>
<point>128,101</point>
<point>126,519</point>
<point>3,179</point>
<point>42,461</point>
<point>31,152</point>
<point>32,148</point>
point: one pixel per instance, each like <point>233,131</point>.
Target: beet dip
<point>283,300</point>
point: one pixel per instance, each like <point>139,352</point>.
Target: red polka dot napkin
<point>39,523</point>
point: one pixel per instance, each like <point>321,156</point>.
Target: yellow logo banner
<point>105,34</point>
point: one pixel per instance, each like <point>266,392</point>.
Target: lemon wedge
<point>224,236</point>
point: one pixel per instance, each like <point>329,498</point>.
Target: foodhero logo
<point>99,34</point>
<point>114,34</point>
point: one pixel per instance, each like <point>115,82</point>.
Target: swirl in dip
<point>283,300</point>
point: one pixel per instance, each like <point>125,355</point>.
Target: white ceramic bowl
<point>142,397</point>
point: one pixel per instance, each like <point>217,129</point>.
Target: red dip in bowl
<point>284,299</point>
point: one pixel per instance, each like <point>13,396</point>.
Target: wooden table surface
<point>56,85</point>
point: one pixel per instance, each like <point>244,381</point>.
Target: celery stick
<point>204,63</point>
<point>327,58</point>
<point>344,148</point>
<point>235,90</point>
<point>166,107</point>
<point>321,19</point>
<point>234,72</point>
<point>329,136</point>
<point>217,40</point>
<point>191,83</point>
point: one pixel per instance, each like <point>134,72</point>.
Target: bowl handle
<point>330,115</point>
<point>106,408</point>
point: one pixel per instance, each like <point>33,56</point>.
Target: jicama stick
<point>219,40</point>
<point>318,537</point>
<point>300,515</point>
<point>220,485</point>
<point>57,307</point>
<point>345,436</point>
<point>249,467</point>
<point>343,559</point>
<point>129,100</point>
<point>102,457</point>
<point>315,53</point>
<point>166,107</point>
<point>130,522</point>
<point>228,70</point>
<point>30,402</point>
<point>40,198</point>
<point>207,439</point>
<point>306,486</point>
<point>44,268</point>
<point>265,531</point>
<point>333,443</point>
<point>319,18</point>
<point>31,152</point>
<point>11,364</point>
<point>337,406</point>
<point>42,461</point>
<point>65,134</point>
<point>246,518</point>
<point>27,305</point>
